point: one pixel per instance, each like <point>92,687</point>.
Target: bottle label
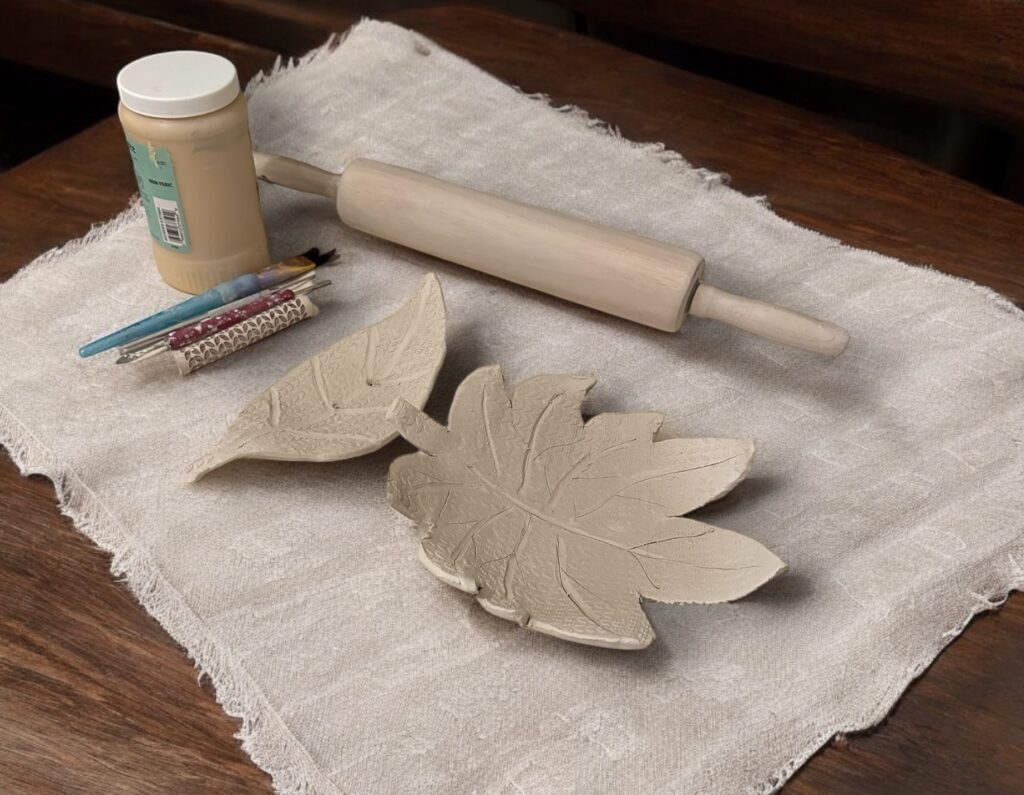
<point>154,172</point>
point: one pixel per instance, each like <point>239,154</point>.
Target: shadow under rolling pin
<point>633,277</point>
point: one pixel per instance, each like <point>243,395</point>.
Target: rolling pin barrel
<point>612,271</point>
<point>633,277</point>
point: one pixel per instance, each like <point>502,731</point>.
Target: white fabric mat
<point>889,479</point>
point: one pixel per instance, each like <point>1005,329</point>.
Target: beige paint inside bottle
<point>186,123</point>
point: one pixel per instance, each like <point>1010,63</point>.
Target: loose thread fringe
<point>130,215</point>
<point>714,179</point>
<point>884,705</point>
<point>654,149</point>
<point>263,734</point>
<point>285,66</point>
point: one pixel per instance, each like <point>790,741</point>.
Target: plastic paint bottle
<point>188,134</point>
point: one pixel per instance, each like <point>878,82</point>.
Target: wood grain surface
<point>90,43</point>
<point>965,54</point>
<point>95,697</point>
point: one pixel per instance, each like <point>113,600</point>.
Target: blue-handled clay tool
<point>221,295</point>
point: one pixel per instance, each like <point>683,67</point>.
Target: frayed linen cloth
<point>889,479</point>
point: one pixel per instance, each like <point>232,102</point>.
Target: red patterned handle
<point>184,336</point>
<point>215,347</point>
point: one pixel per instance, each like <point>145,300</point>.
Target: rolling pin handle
<point>768,320</point>
<point>295,174</point>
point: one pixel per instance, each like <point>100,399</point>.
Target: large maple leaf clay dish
<point>564,526</point>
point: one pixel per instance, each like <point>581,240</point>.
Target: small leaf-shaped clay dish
<point>562,525</point>
<point>332,406</point>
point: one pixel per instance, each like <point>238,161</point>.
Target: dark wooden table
<point>95,697</point>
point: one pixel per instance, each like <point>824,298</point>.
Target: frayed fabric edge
<point>282,66</point>
<point>896,689</point>
<point>893,693</point>
<point>711,180</point>
<point>263,735</point>
<point>720,179</point>
<point>653,149</point>
<point>132,213</point>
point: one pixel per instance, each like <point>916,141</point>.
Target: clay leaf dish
<point>564,526</point>
<point>333,406</point>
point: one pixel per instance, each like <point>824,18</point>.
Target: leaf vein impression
<point>321,384</point>
<point>358,410</point>
<point>586,460</point>
<point>559,546</point>
<point>304,434</point>
<point>472,532</point>
<point>506,582</point>
<point>440,513</point>
<point>643,568</point>
<point>275,407</point>
<point>539,514</point>
<point>410,332</point>
<point>490,433</point>
<point>370,361</point>
<point>655,476</point>
<point>437,484</point>
<point>528,457</point>
<point>666,540</point>
<point>405,379</point>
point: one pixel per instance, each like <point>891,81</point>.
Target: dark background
<point>39,108</point>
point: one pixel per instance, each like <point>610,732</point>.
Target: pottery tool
<point>647,281</point>
<point>215,298</point>
<point>248,332</point>
<point>302,280</point>
<point>186,335</point>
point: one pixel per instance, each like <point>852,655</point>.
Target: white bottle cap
<point>173,85</point>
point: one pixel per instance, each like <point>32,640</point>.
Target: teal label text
<point>154,171</point>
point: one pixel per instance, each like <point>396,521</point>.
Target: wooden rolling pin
<point>632,277</point>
